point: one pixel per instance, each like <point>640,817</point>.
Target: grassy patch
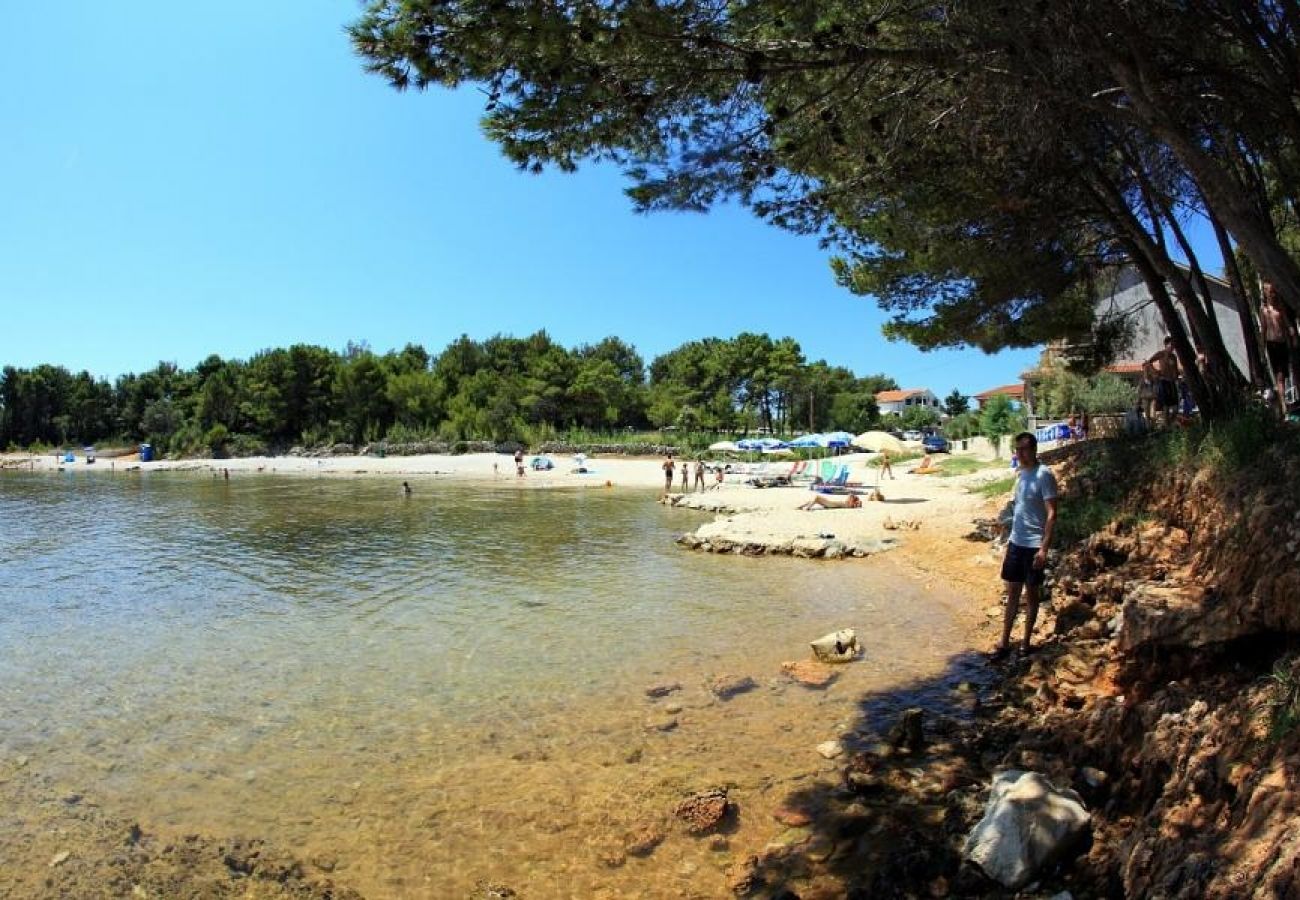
<point>964,465</point>
<point>996,488</point>
<point>1283,703</point>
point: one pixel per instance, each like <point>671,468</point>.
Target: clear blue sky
<point>183,179</point>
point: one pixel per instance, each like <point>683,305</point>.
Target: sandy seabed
<point>931,519</point>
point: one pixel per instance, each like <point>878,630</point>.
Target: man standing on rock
<point>1032,523</point>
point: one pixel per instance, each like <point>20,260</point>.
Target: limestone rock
<point>830,749</point>
<point>809,672</point>
<point>838,646</point>
<point>662,690</point>
<point>703,811</point>
<point>1028,824</point>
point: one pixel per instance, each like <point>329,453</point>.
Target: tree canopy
<point>977,167</point>
<point>500,389</point>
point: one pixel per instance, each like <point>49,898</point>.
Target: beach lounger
<point>839,484</point>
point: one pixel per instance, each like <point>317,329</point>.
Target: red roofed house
<point>1015,391</point>
<point>897,401</point>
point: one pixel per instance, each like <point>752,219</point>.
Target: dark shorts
<point>1278,356</point>
<point>1166,393</point>
<point>1018,566</point>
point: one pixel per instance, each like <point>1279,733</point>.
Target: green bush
<point>1283,703</point>
<point>216,439</point>
<point>246,445</point>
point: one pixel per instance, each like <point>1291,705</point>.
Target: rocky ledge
<point>817,547</point>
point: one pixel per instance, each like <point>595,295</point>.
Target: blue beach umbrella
<point>837,439</point>
<point>806,441</point>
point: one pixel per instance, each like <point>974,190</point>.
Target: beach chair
<point>776,478</point>
<point>839,484</point>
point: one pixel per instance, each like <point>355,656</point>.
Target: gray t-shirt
<point>1034,487</point>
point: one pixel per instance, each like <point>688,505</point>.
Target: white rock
<point>838,646</point>
<point>830,749</point>
<point>1027,825</point>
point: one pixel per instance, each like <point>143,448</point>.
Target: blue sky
<point>183,179</point>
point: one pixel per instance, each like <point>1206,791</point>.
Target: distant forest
<point>502,389</point>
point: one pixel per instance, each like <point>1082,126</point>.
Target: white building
<point>1130,300</point>
<point>897,401</point>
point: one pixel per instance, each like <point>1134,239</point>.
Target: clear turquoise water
<point>331,665</point>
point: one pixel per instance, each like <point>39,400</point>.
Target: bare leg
<point>1033,593</point>
<point>1009,616</point>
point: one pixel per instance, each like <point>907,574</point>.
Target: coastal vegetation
<point>505,388</point>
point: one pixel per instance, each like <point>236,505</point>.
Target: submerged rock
<point>724,687</point>
<point>809,672</point>
<point>908,733</point>
<point>703,811</point>
<point>830,749</point>
<point>661,723</point>
<point>644,841</point>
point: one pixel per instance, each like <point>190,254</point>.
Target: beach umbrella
<point>877,441</point>
<point>837,439</point>
<point>771,444</point>
<point>749,444</point>
<point>806,441</point>
<point>724,447</point>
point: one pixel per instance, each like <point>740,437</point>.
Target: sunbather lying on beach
<point>927,466</point>
<point>821,501</point>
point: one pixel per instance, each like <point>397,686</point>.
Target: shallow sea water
<point>430,692</point>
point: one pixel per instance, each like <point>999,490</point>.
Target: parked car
<point>913,436</point>
<point>936,443</point>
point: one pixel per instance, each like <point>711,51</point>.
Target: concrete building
<point>1130,300</point>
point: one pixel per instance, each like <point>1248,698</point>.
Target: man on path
<point>1032,523</point>
<point>1277,342</point>
<point>1164,365</point>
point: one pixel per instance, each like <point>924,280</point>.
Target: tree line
<point>978,167</point>
<point>500,389</point>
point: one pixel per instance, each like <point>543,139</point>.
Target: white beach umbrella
<point>723,447</point>
<point>877,441</point>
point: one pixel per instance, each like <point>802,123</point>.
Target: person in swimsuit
<point>699,474</point>
<point>821,501</point>
<point>1164,365</point>
<point>885,467</point>
<point>669,467</point>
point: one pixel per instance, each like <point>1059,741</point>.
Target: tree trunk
<point>1249,331</point>
<point>1251,227</point>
